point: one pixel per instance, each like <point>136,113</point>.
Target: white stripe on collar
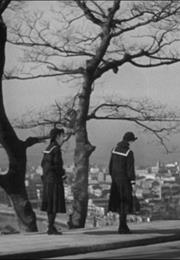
<point>123,154</point>
<point>46,151</point>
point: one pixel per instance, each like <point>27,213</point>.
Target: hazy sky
<point>160,84</point>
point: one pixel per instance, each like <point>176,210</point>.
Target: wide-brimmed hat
<point>129,136</point>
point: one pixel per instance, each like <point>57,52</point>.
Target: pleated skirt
<point>53,198</point>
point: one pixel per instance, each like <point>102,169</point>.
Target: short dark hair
<point>55,132</point>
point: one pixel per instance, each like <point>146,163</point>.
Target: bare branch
<point>143,33</point>
<point>160,63</point>
<point>31,76</point>
<point>143,113</point>
<point>88,13</point>
<point>151,16</point>
<point>102,13</point>
<point>156,133</point>
<point>30,141</point>
<point>48,47</point>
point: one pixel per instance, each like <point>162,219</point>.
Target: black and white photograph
<point>89,129</point>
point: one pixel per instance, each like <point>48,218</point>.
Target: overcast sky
<point>160,84</point>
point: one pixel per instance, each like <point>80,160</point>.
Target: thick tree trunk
<point>16,191</point>
<point>14,181</point>
<point>26,218</point>
<point>14,184</point>
<point>82,153</point>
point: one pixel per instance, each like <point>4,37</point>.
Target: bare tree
<point>13,182</point>
<point>82,40</point>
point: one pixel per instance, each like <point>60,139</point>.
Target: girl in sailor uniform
<point>122,171</point>
<point>53,199</point>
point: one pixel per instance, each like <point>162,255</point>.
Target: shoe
<point>69,225</point>
<point>53,231</point>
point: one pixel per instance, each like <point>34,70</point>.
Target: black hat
<point>54,132</point>
<point>129,136</point>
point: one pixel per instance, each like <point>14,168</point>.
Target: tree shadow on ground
<point>136,232</point>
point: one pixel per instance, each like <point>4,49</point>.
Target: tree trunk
<point>25,216</point>
<point>14,184</point>
<point>14,181</point>
<point>82,153</point>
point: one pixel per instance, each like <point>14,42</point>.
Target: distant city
<point>157,189</point>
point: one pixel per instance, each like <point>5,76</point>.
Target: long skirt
<point>53,199</point>
<point>120,199</point>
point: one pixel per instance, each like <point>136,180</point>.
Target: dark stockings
<point>123,221</point>
<point>51,227</point>
<point>123,227</point>
<point>51,219</point>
